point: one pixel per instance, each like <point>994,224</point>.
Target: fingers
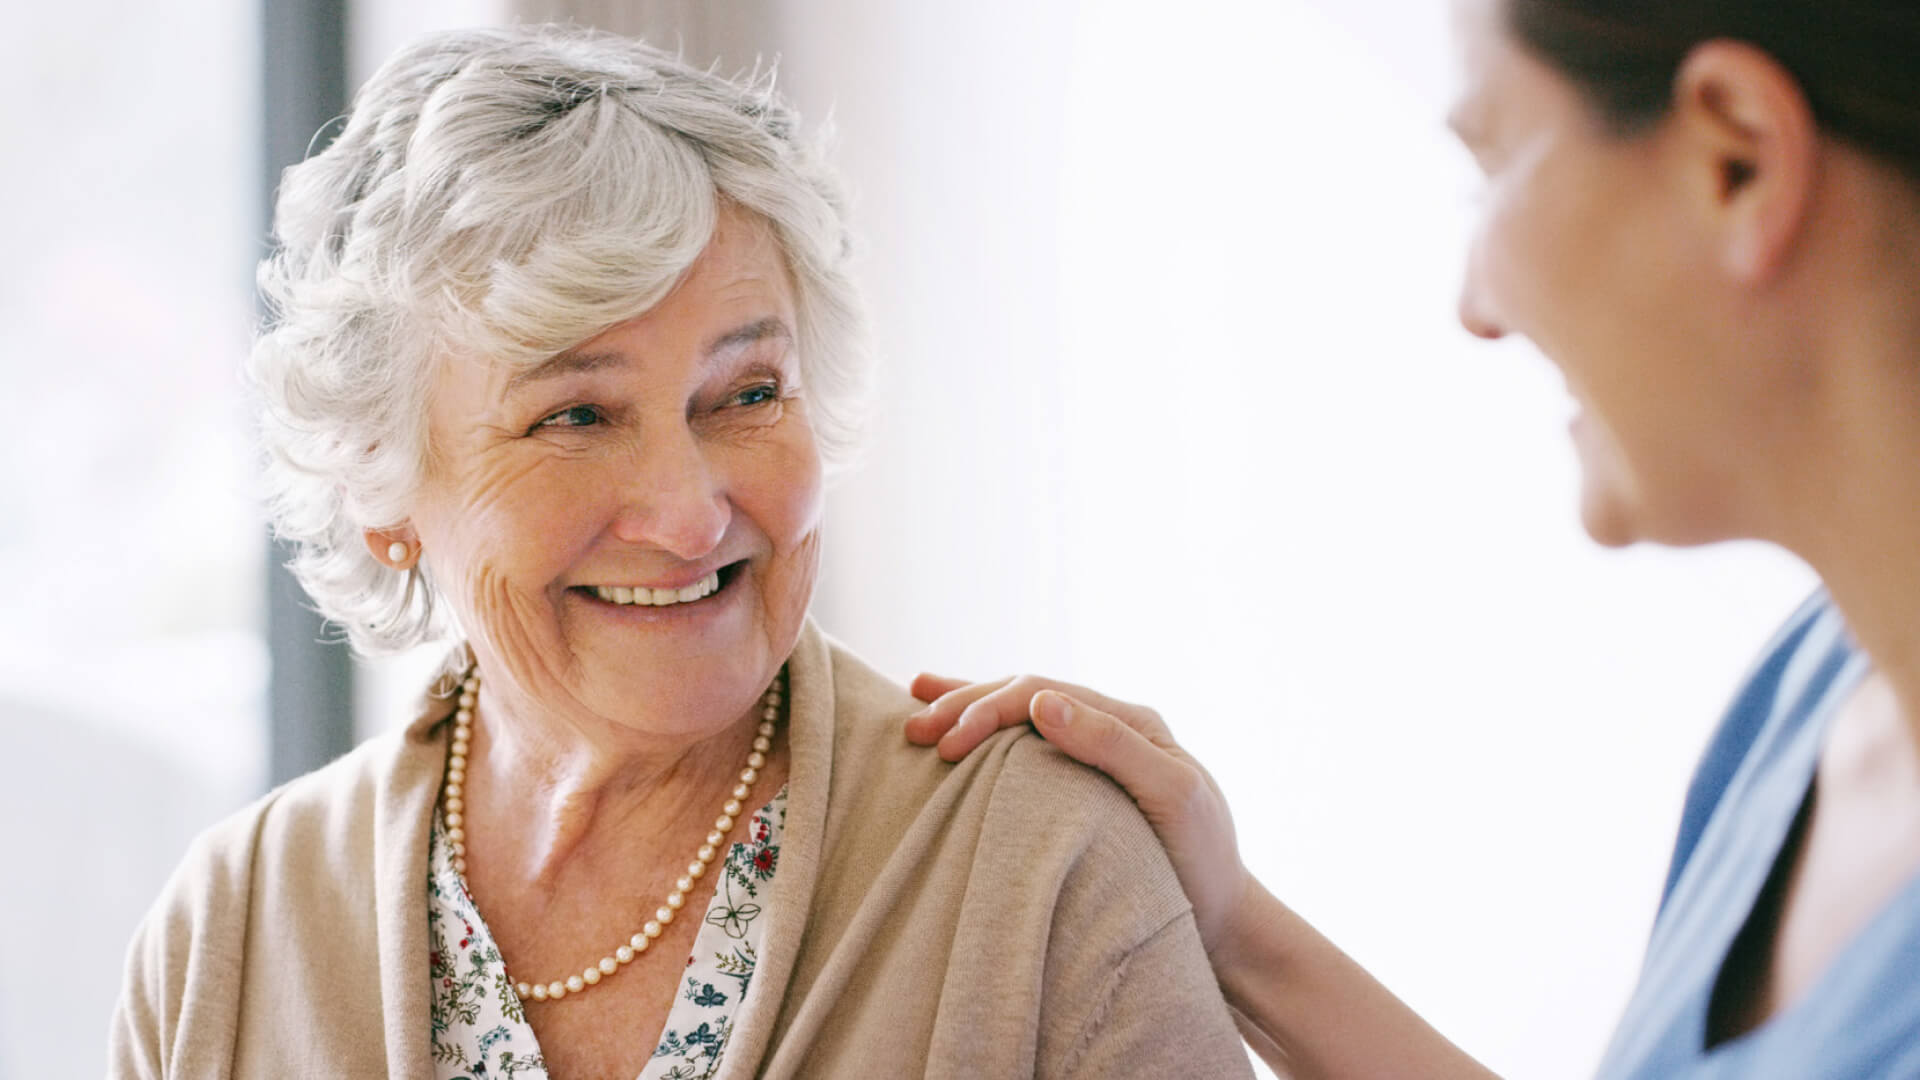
<point>960,719</point>
<point>982,710</point>
<point>928,687</point>
<point>960,715</point>
<point>985,708</point>
<point>1153,770</point>
<point>931,724</point>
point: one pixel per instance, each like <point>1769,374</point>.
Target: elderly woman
<point>1707,215</point>
<point>564,344</point>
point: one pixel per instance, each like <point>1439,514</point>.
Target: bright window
<point>132,671</point>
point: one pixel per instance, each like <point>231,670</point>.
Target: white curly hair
<point>508,193</point>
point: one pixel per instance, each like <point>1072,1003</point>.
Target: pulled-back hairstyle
<point>507,194</point>
<point>1857,61</point>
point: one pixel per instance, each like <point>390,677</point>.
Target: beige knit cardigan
<point>1011,915</point>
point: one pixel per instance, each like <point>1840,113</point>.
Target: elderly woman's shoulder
<point>319,832</point>
<point>1027,794</point>
<point>307,854</point>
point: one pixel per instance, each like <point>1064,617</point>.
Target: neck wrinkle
<point>565,798</point>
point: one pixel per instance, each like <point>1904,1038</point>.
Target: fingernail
<point>1055,711</point>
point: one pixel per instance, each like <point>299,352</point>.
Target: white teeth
<point>626,594</point>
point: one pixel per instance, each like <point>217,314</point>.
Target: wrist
<point>1253,937</point>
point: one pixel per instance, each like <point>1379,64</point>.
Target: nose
<point>674,498</point>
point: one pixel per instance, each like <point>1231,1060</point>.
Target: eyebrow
<point>568,362</point>
<point>573,362</point>
<point>759,330</point>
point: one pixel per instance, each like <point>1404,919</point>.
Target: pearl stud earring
<point>397,552</point>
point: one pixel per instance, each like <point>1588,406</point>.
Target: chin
<point>693,693</point>
<point>1614,521</point>
<point>1612,517</point>
<point>1606,525</point>
<point>1608,509</point>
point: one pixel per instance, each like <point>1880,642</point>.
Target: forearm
<point>1311,1012</point>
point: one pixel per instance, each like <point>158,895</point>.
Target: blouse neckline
<point>478,1026</point>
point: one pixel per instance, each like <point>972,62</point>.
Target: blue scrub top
<point>1861,1018</point>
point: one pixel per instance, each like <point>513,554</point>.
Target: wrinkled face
<point>630,531</point>
<point>1592,245</point>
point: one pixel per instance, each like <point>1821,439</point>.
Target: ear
<point>1753,128</point>
<point>385,544</point>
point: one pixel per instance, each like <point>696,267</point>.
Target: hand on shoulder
<point>1131,744</point>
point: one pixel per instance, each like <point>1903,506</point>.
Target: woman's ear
<point>398,547</point>
<point>1744,120</point>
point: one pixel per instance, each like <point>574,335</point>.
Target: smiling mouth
<point>643,596</point>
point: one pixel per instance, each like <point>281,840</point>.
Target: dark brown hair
<point>1857,61</point>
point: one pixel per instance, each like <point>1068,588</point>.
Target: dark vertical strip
<point>310,688</point>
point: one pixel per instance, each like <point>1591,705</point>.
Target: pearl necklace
<point>455,807</point>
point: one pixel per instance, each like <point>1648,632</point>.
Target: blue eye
<point>756,395</point>
<point>573,416</point>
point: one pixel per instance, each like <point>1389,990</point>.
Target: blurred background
<point>1173,404</point>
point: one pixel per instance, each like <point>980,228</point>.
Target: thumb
<point>1155,778</point>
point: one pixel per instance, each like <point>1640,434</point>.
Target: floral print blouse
<point>479,1030</point>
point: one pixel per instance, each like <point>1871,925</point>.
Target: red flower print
<point>763,861</point>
